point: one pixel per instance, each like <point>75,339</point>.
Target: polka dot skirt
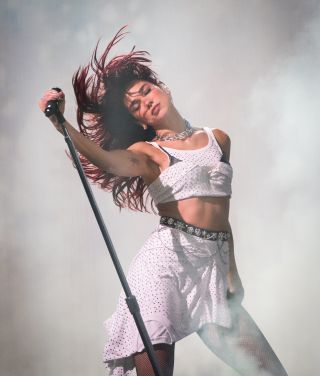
<point>179,281</point>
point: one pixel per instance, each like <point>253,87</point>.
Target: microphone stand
<point>131,301</point>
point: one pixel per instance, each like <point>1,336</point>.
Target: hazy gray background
<point>250,68</point>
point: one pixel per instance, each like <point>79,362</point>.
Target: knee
<point>165,358</point>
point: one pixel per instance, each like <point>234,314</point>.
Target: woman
<point>135,143</point>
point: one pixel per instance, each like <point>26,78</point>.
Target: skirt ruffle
<point>180,283</point>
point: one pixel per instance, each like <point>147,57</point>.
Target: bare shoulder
<point>152,155</point>
<point>137,146</point>
<point>223,140</point>
<point>221,136</point>
<point>142,147</point>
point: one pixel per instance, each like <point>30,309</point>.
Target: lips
<point>155,110</point>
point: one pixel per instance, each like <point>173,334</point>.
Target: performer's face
<point>147,102</point>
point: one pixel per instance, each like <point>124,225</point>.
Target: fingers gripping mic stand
<point>53,109</point>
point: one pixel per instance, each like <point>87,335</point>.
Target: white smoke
<point>249,68</point>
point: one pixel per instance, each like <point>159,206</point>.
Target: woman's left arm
<point>235,289</point>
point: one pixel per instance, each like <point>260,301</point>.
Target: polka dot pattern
<point>199,173</point>
<point>179,281</point>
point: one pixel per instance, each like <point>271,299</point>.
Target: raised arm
<point>134,162</point>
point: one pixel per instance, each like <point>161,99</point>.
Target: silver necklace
<point>178,136</point>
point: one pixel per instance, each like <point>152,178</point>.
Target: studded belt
<point>194,230</point>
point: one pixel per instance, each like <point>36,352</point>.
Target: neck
<point>170,124</point>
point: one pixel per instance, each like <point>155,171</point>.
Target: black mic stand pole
<point>130,299</point>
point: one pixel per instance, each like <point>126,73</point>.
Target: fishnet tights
<point>165,357</point>
<point>243,347</point>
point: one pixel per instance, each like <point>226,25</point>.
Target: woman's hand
<point>235,292</point>
<point>52,95</point>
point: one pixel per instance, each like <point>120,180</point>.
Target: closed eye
<point>135,105</point>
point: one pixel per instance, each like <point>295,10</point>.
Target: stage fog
<point>249,68</point>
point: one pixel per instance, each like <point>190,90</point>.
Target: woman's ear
<point>167,90</point>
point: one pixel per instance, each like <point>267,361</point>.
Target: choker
<point>178,136</point>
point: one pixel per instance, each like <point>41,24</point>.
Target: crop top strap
<point>211,136</point>
<point>153,144</point>
<point>172,159</point>
<point>158,147</point>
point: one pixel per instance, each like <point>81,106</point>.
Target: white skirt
<point>180,282</point>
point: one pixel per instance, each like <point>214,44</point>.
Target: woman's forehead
<point>135,87</point>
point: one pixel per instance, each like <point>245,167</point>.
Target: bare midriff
<point>209,213</point>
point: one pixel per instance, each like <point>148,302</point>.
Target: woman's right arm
<point>119,162</point>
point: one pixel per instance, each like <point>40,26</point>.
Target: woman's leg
<point>165,356</point>
<point>243,346</point>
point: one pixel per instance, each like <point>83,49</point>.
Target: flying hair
<point>102,116</point>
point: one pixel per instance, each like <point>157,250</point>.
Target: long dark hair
<point>99,88</point>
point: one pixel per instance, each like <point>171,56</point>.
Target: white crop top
<point>193,173</point>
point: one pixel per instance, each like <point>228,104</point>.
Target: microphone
<point>52,106</point>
